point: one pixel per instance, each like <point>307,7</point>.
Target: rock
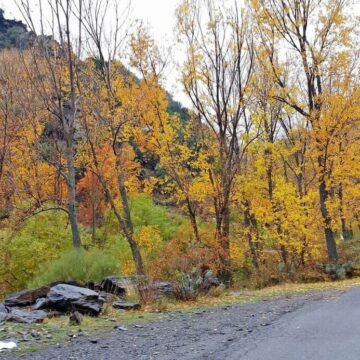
<point>75,318</point>
<point>64,297</point>
<point>26,297</point>
<point>209,280</point>
<point>163,288</point>
<point>125,306</point>
<point>3,316</point>
<point>114,285</point>
<point>41,303</point>
<point>27,317</point>
<point>4,309</point>
<point>94,341</point>
<point>121,328</point>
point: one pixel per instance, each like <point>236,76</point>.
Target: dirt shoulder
<point>197,334</point>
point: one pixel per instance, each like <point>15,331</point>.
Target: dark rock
<point>163,288</point>
<point>27,317</point>
<point>125,306</point>
<point>113,285</point>
<point>64,297</point>
<point>75,318</point>
<point>41,303</point>
<point>26,297</point>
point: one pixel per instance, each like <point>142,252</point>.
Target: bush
<point>78,265</point>
<point>41,240</point>
<point>188,287</point>
<point>339,271</point>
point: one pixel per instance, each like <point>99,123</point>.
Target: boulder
<point>27,317</point>
<point>64,297</point>
<point>114,285</point>
<point>125,306</point>
<point>26,297</point>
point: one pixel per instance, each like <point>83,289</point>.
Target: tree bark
<point>329,234</point>
<point>71,185</point>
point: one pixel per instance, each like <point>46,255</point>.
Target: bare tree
<point>53,73</point>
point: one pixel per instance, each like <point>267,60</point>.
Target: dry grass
<point>249,296</point>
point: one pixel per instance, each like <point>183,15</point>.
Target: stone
<point>40,303</point>
<point>209,280</point>
<point>113,285</point>
<point>163,288</point>
<point>26,297</point>
<point>4,309</point>
<point>63,297</point>
<point>27,317</point>
<point>125,306</point>
<point>75,318</point>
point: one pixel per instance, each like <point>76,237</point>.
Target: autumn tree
<point>318,37</point>
<point>216,76</point>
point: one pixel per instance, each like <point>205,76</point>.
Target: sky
<point>158,15</point>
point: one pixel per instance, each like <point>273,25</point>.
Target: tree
<point>216,77</point>
<point>53,73</point>
<point>316,43</point>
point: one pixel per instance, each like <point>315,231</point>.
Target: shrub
<point>41,239</point>
<point>188,287</point>
<point>78,265</point>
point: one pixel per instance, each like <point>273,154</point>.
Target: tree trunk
<point>329,234</point>
<point>250,224</point>
<point>193,220</point>
<point>222,234</point>
<point>129,227</point>
<point>71,185</point>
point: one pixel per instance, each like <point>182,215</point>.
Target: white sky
<point>159,15</point>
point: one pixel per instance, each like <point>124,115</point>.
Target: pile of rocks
<point>33,306</point>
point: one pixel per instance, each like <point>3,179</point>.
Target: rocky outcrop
<point>65,297</point>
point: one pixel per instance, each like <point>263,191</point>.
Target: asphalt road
<point>320,331</point>
<point>315,326</point>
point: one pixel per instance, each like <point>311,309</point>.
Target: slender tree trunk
<point>346,232</point>
<point>222,234</point>
<point>329,234</point>
<point>129,227</point>
<point>193,220</point>
<point>251,225</point>
<point>71,185</point>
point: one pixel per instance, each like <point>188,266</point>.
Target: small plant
<point>339,271</point>
<point>189,286</point>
